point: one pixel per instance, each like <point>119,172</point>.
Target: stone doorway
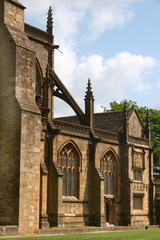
<point>109,207</point>
<point>107,212</point>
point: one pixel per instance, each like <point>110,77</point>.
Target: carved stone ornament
<point>141,187</point>
<point>138,160</point>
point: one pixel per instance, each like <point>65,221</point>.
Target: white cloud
<point>108,17</point>
<point>111,78</point>
<point>143,87</point>
<point>65,64</point>
<point>67,21</point>
<point>100,15</point>
<point>114,76</point>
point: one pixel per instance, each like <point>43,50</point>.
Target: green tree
<point>142,112</point>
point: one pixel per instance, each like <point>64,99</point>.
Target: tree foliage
<point>155,124</point>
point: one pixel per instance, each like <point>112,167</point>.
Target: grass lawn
<point>127,235</point>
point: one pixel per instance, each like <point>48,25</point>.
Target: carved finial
<point>89,93</point>
<point>148,118</point>
<point>89,105</point>
<point>49,21</point>
<point>125,123</point>
<point>125,111</point>
<point>133,107</point>
<point>125,106</point>
<point>148,127</point>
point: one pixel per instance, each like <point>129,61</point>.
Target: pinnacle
<point>89,93</point>
<point>148,115</point>
<point>49,21</point>
<point>89,85</point>
<point>125,105</point>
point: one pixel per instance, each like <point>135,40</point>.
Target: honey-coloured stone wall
<point>10,120</point>
<point>31,176</point>
<point>14,15</point>
<point>20,125</point>
<point>72,209</point>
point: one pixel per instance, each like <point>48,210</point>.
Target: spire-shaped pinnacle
<point>125,107</point>
<point>148,127</point>
<point>50,21</point>
<point>125,123</point>
<point>89,93</point>
<point>89,105</point>
<point>125,111</point>
<point>148,118</point>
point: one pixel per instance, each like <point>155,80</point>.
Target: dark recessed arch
<point>39,83</point>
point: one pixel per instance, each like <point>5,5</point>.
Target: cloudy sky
<point>115,43</point>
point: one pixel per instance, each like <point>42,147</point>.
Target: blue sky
<point>113,42</point>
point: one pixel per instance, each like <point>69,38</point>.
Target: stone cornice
<point>106,135</point>
<point>17,3</point>
<point>139,141</point>
<point>84,131</point>
<point>36,34</point>
<point>71,128</point>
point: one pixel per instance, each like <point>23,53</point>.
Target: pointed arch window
<point>108,168</point>
<point>39,84</point>
<point>69,161</point>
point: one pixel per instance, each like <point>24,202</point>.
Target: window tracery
<point>69,161</point>
<point>108,168</point>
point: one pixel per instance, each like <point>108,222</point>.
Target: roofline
<point>94,114</point>
<point>17,3</point>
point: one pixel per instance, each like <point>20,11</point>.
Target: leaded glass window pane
<point>69,182</point>
<point>137,175</point>
<point>108,169</point>
<point>137,202</point>
<point>109,183</point>
<point>105,183</point>
<point>65,159</point>
<point>73,182</point>
<point>112,184</point>
<point>70,164</point>
<point>105,166</point>
<point>73,160</point>
<point>64,182</point>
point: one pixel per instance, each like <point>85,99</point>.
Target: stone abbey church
<point>88,169</point>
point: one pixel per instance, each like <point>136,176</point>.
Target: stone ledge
<point>94,229</point>
<point>8,230</point>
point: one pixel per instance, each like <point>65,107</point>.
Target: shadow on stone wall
<point>157,210</point>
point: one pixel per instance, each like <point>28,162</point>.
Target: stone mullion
<point>66,175</point>
<point>77,177</point>
<point>111,184</point>
<point>72,168</point>
<point>107,182</point>
<point>71,181</point>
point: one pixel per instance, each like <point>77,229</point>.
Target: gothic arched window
<point>39,84</point>
<point>108,168</point>
<point>69,161</point>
